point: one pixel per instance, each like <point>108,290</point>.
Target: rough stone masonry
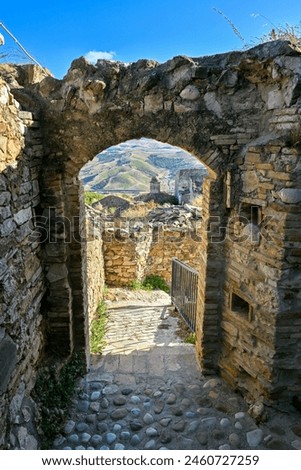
<point>239,113</point>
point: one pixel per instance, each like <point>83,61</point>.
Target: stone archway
<point>234,112</point>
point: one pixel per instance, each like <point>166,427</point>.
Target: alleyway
<point>147,392</point>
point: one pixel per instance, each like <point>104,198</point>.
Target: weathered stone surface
<point>8,360</point>
<point>26,441</point>
<point>57,272</point>
<point>119,413</point>
<point>190,93</point>
<point>247,121</point>
<point>110,389</point>
<point>254,437</point>
<point>69,426</point>
<point>119,401</point>
<point>279,444</point>
<point>136,425</point>
<point>165,436</point>
<point>290,195</point>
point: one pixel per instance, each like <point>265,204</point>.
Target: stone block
<point>290,195</point>
<point>5,213</point>
<point>32,267</point>
<point>250,181</point>
<point>25,115</point>
<point>8,361</point>
<point>279,175</point>
<point>190,93</point>
<point>5,198</point>
<point>7,227</point>
<point>25,188</point>
<point>56,252</point>
<point>186,106</point>
<point>3,183</point>
<point>153,103</point>
<point>24,215</point>
<point>212,103</point>
<point>57,272</point>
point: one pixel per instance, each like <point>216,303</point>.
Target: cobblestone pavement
<point>147,392</point>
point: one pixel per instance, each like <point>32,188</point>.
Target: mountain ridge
<point>135,163</point>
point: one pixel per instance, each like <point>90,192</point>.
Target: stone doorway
<point>240,114</point>
<point>244,126</point>
<point>119,249</point>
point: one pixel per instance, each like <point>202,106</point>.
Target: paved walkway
<point>147,392</point>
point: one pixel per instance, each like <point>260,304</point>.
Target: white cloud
<point>94,56</point>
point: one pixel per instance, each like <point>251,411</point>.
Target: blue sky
<point>56,32</point>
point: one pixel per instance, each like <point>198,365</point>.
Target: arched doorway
<point>215,108</point>
<point>73,324</point>
<point>143,208</point>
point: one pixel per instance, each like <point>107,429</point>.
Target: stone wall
<point>239,113</point>
<point>21,276</point>
<point>135,248</point>
<point>215,107</point>
<point>261,327</point>
<point>93,265</point>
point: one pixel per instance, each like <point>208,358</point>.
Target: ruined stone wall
<point>213,107</point>
<point>239,114</point>
<point>131,255</point>
<point>168,244</point>
<point>120,260</point>
<point>21,275</point>
<point>93,262</point>
<point>132,259</point>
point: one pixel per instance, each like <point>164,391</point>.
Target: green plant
<point>98,329</point>
<point>136,285</point>
<point>190,338</point>
<point>105,290</point>
<point>151,282</point>
<point>53,391</point>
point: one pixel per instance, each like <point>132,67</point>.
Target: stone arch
<point>198,237</point>
<point>76,331</point>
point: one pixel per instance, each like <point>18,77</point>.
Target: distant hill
<point>130,166</point>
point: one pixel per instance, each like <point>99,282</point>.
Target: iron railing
<point>184,291</point>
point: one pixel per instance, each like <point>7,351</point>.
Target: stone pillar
<point>211,277</point>
<point>55,251</point>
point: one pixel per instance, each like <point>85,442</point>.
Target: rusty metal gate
<point>184,291</point>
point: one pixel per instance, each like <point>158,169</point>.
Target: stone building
<point>188,184</point>
<point>154,186</point>
<point>239,114</point>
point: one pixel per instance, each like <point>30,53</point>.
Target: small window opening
<point>250,214</point>
<point>241,306</point>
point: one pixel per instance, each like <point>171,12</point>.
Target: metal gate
<point>184,291</point>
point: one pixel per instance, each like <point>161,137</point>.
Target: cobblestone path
<point>147,392</point>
